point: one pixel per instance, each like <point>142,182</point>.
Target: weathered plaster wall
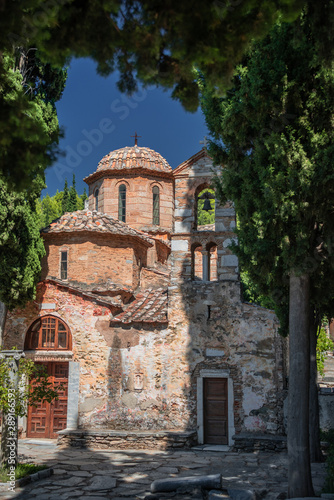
<point>222,333</point>
<point>131,377</point>
<point>88,345</point>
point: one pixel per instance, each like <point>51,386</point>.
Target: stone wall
<point>251,442</point>
<point>326,408</point>
<point>221,333</point>
<point>122,440</point>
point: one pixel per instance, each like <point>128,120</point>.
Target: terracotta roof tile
<point>90,292</point>
<point>84,220</point>
<point>149,306</point>
<point>134,157</point>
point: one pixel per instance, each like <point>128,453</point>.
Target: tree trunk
<point>299,477</point>
<point>315,449</point>
<point>3,314</point>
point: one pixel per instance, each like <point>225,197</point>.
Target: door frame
<point>200,403</point>
<point>50,366</point>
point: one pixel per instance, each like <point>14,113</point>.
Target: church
<point>139,316</point>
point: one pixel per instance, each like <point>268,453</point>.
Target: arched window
<point>48,333</point>
<point>156,205</point>
<point>196,262</point>
<point>205,209</point>
<point>122,202</point>
<point>96,194</point>
<point>212,261</point>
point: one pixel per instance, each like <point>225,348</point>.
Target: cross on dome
<point>136,138</point>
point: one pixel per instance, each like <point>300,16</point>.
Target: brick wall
<point>94,258</point>
<point>139,199</point>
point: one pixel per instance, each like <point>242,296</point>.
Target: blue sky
<point>98,119</point>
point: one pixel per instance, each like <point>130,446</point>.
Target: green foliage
<point>25,394</point>
<point>50,208</point>
<point>251,292</point>
<point>324,344</point>
<point>73,198</point>
<point>21,470</point>
<point>29,129</point>
<point>329,481</point>
<point>274,134</point>
<point>66,198</point>
<point>205,217</point>
<point>81,201</point>
<point>157,43</point>
<point>21,247</point>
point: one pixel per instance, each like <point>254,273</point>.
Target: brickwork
<point>113,258</point>
<point>139,200</point>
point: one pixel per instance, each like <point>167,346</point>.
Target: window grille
<point>48,333</point>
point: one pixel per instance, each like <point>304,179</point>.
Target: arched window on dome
<point>122,203</point>
<point>96,194</point>
<point>48,333</point>
<point>156,205</point>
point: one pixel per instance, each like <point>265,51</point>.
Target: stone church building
<point>139,314</point>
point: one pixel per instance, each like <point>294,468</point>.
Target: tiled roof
<point>130,158</point>
<point>90,294</point>
<point>149,306</point>
<point>85,220</point>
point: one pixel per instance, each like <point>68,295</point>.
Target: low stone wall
<point>122,440</point>
<point>326,408</point>
<point>249,442</point>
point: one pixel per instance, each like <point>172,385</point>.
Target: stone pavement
<point>119,474</point>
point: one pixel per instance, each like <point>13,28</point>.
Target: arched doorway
<point>49,333</point>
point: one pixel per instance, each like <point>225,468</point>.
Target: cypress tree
<point>66,198</point>
<point>21,247</point>
<point>84,197</point>
<point>73,195</point>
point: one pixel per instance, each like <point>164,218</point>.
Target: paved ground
<point>96,474</point>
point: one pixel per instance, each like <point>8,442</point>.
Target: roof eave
<point>124,172</point>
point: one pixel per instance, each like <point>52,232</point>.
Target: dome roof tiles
<point>130,158</point>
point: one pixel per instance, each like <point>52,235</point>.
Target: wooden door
<point>47,418</point>
<point>215,410</point>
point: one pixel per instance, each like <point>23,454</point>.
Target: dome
<point>130,158</point>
